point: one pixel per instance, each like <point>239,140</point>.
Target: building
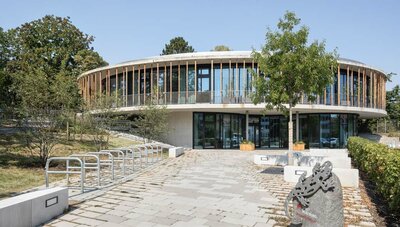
<point>207,94</point>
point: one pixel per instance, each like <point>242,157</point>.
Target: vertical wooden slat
<point>144,84</point>
<point>244,78</point>
<point>347,86</point>
<point>151,81</point>
<point>237,80</point>
<point>212,81</point>
<point>195,81</point>
<point>165,83</point>
<point>230,79</point>
<point>179,81</point>
<point>358,87</point>
<point>220,81</point>
<point>170,84</point>
<point>338,84</point>
<point>158,83</point>
<point>139,92</point>
<point>187,81</point>
<point>133,85</point>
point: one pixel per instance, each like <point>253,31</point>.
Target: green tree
<point>50,49</point>
<point>152,121</point>
<point>393,104</point>
<point>47,56</point>
<point>177,45</point>
<point>6,94</point>
<point>221,48</point>
<point>291,68</point>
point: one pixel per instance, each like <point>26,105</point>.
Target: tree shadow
<point>276,170</point>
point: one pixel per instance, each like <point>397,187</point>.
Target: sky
<point>366,31</point>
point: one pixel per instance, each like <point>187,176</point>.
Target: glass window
<point>225,80</point>
<point>325,130</point>
<point>335,90</point>
<point>112,84</point>
<point>343,87</point>
<point>355,88</point>
<point>198,133</point>
<point>368,91</point>
<point>313,130</point>
<point>217,84</point>
<point>182,92</point>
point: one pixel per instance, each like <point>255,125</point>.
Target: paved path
<point>201,188</point>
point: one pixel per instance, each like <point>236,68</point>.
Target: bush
<point>381,164</point>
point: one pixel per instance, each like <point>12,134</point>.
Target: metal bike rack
<point>88,165</point>
<point>67,159</point>
<point>105,162</point>
<point>119,158</point>
<point>131,154</point>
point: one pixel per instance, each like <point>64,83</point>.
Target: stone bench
<point>328,152</point>
<point>33,208</point>
<point>175,152</point>
<point>302,159</point>
<point>347,177</point>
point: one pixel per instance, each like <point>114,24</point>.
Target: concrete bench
<point>33,208</point>
<point>347,177</point>
<point>328,152</point>
<point>175,152</point>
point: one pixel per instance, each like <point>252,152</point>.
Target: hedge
<point>381,164</point>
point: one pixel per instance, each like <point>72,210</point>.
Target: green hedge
<point>381,164</point>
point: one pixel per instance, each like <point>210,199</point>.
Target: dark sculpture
<point>315,207</point>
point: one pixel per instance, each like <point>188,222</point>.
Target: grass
<point>20,171</point>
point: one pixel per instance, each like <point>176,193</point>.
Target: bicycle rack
<point>67,159</point>
<point>88,165</point>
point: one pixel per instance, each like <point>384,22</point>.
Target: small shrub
<point>381,164</point>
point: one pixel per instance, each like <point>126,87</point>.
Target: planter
<point>247,147</point>
<point>298,147</point>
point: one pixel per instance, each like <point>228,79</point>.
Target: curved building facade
<point>208,95</point>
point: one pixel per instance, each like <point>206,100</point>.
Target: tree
<point>7,96</point>
<point>177,45</point>
<point>152,120</point>
<point>47,56</point>
<point>393,104</point>
<point>221,48</point>
<point>291,68</point>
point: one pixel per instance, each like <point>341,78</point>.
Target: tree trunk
<point>67,130</point>
<point>290,131</point>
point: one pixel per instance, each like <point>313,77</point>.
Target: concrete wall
<point>33,208</point>
<point>181,129</point>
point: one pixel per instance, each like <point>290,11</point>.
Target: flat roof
<point>205,56</point>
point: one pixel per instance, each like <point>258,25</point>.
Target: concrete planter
<point>298,147</point>
<point>247,147</point>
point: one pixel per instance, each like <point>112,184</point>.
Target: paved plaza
<point>200,188</point>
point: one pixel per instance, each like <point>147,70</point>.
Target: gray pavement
<point>200,188</point>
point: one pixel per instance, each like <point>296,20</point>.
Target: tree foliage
<point>177,45</point>
<point>152,121</point>
<point>221,48</point>
<point>54,52</point>
<point>289,64</point>
<point>40,64</point>
<point>291,68</point>
<point>393,103</point>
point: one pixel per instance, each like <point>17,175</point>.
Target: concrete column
<point>297,126</point>
<point>247,125</point>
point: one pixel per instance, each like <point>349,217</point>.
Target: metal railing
<point>95,161</point>
<point>66,171</point>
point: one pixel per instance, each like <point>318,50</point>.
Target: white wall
<point>181,129</point>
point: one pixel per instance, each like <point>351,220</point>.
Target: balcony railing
<point>234,97</point>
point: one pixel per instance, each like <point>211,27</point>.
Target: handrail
<point>67,159</point>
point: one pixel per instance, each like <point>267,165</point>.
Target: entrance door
<point>254,134</point>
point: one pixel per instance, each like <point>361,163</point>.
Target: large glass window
<point>343,87</point>
<point>182,84</point>
<point>355,88</point>
<point>368,91</point>
<point>217,84</point>
<point>191,84</point>
<point>203,84</point>
<point>225,80</point>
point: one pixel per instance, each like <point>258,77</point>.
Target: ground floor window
<point>227,131</point>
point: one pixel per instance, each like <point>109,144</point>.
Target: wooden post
<point>144,84</point>
<point>347,86</point>
<point>139,87</point>
<point>212,81</point>
<point>338,84</point>
<point>195,81</point>
<point>230,79</point>
<point>187,81</point>
<point>133,85</point>
<point>179,81</point>
<point>151,82</point>
<point>158,82</point>
<point>165,83</point>
<point>170,84</point>
<point>358,88</point>
<point>220,80</point>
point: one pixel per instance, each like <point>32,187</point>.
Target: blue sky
<point>366,31</point>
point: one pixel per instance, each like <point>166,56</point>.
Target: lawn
<point>20,171</point>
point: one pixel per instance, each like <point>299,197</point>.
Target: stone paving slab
<point>200,188</point>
